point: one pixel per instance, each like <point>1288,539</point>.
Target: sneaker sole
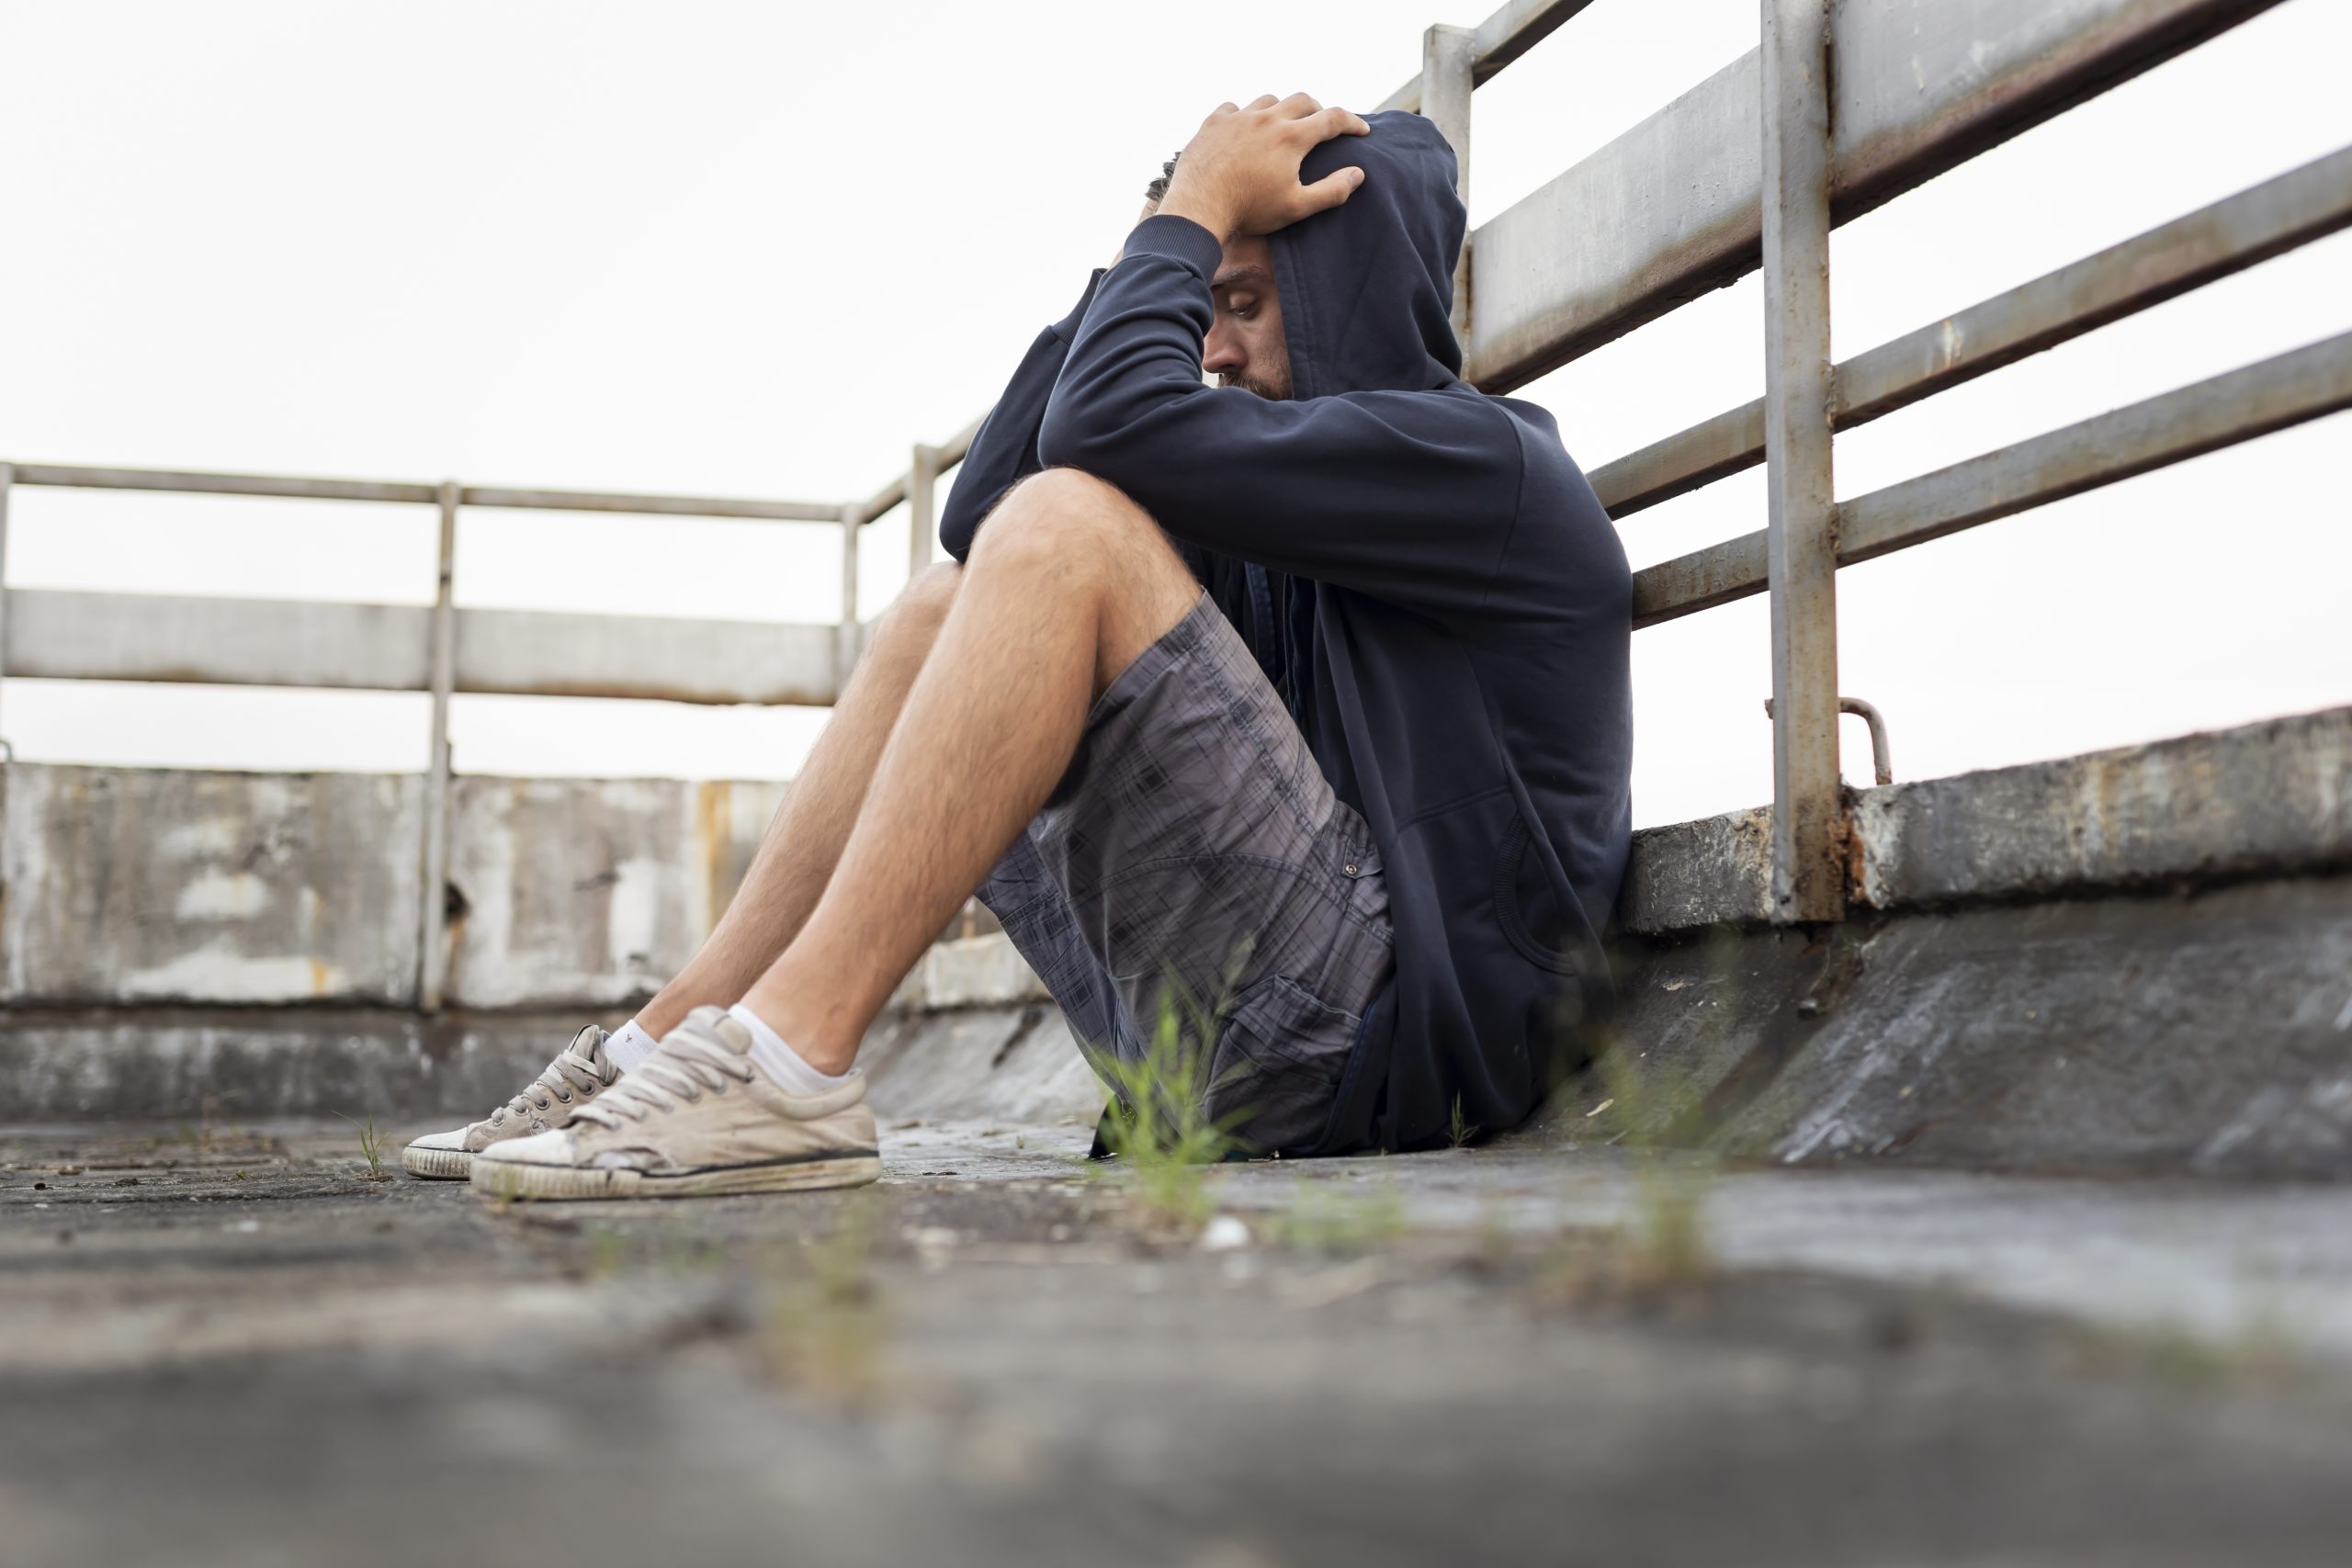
<point>512,1179</point>
<point>437,1165</point>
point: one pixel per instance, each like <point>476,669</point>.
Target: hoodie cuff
<point>1178,238</point>
<point>1067,328</point>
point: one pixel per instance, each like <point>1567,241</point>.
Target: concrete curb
<point>2266,799</point>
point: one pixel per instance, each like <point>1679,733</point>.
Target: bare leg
<point>796,856</point>
<point>1070,581</point>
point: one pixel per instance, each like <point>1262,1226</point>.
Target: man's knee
<point>1062,519</point>
<point>922,607</point>
<point>927,595</point>
<point>930,593</point>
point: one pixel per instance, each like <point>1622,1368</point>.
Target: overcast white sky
<point>759,249</point>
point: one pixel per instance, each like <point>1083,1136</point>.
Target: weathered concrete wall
<point>134,886</point>
<point>2265,799</point>
<point>137,885</point>
<point>144,885</point>
<point>2203,1030</point>
<point>591,893</point>
<point>2138,959</point>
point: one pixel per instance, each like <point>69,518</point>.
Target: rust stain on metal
<point>1857,856</point>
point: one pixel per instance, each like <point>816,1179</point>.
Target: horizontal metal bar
<point>1730,443</point>
<point>1516,29</point>
<point>291,487</point>
<point>77,477</point>
<point>548,654</point>
<point>1671,209</point>
<point>1735,569</point>
<point>1500,40</point>
<point>59,635</point>
<point>881,501</point>
<point>2172,427</point>
<point>2290,389</point>
<point>901,489</point>
<point>654,505</point>
<point>2214,241</point>
<point>958,446</point>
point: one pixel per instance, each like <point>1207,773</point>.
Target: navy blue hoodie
<point>1424,574</point>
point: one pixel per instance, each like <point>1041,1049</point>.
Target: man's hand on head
<point>1240,172</point>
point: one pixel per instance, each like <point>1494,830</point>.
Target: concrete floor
<point>227,1346</point>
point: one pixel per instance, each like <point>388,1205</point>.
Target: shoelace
<point>688,1063</point>
<point>569,1076</point>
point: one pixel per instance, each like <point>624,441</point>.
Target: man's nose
<point>1221,356</point>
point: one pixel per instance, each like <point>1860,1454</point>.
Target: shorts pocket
<point>1277,1066</point>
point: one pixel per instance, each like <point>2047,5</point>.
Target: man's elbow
<point>1063,438</point>
<point>1071,438</point>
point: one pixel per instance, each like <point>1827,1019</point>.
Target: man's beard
<point>1272,391</point>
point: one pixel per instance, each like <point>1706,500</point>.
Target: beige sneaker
<point>579,1072</point>
<point>698,1119</point>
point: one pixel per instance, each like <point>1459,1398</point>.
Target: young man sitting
<point>1303,697</point>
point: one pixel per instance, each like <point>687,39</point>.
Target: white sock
<point>784,1067</point>
<point>629,1045</point>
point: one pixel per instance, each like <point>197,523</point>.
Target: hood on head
<point>1367,287</point>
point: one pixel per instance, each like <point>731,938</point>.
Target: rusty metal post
<point>432,959</point>
<point>845,639</point>
<point>1449,58</point>
<point>1808,810</point>
<point>923,531</point>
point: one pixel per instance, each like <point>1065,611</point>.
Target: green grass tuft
<point>1459,1132</point>
<point>1161,1138</point>
<point>371,1146</point>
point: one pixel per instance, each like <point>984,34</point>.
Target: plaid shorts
<point>1193,863</point>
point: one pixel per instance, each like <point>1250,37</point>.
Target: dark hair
<point>1156,192</point>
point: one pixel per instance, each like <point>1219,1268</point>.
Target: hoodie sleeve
<point>1407,496</point>
<point>1004,449</point>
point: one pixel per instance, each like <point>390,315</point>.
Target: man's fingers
<point>1328,192</point>
<point>1335,121</point>
<point>1262,101</point>
<point>1298,106</point>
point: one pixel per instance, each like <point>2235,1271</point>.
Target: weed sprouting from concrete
<point>371,1147</point>
<point>1664,1243</point>
<point>1459,1131</point>
<point>1671,1248</point>
<point>206,1136</point>
<point>1159,1131</point>
<point>826,1327</point>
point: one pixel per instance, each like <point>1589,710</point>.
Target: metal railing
<point>442,650</point>
<point>1749,170</point>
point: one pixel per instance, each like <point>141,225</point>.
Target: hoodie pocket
<point>1277,1064</point>
<point>1533,916</point>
